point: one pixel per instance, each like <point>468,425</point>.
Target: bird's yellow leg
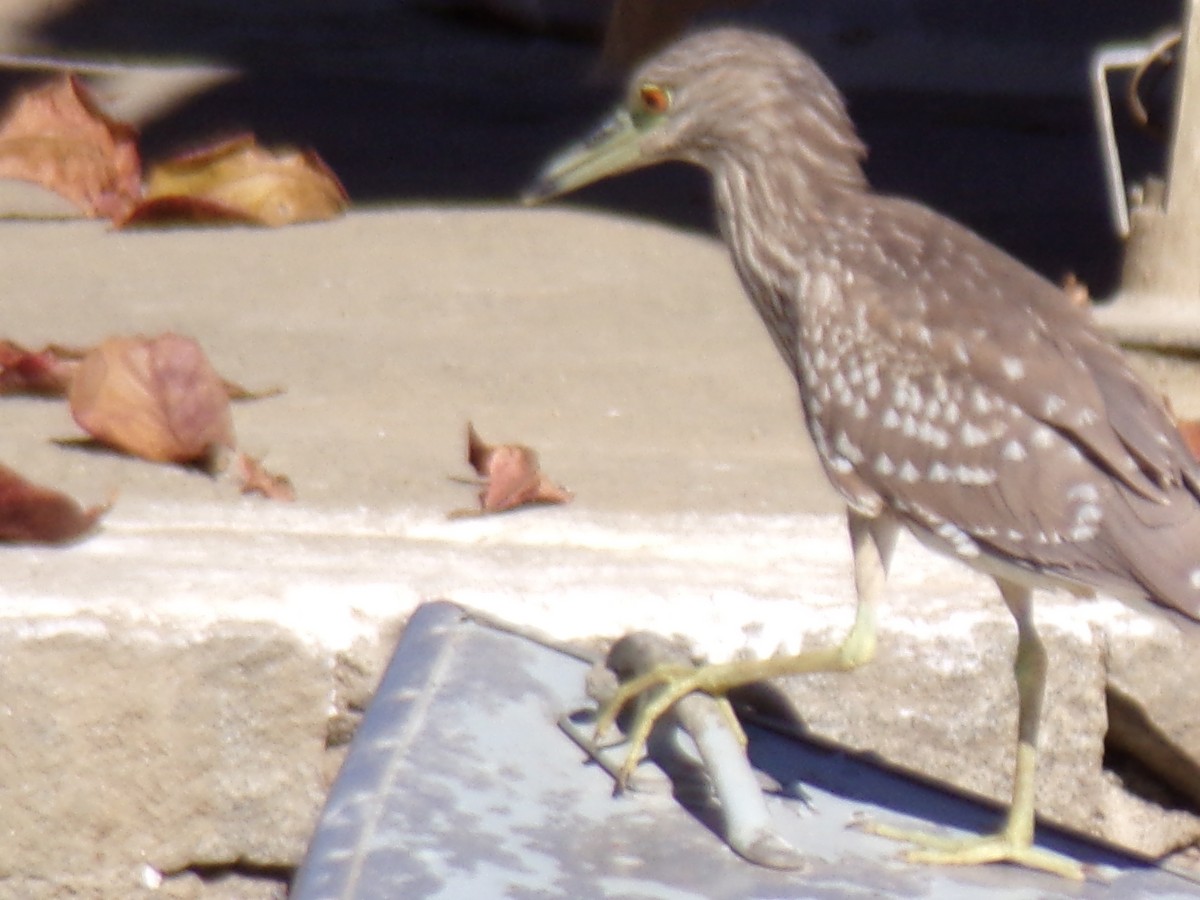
<point>1013,843</point>
<point>871,541</point>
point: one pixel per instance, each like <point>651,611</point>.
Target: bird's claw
<point>934,849</point>
<point>655,692</point>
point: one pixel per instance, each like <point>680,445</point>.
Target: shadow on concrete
<point>422,102</point>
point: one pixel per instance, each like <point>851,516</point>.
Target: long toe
<point>655,693</point>
<point>940,850</point>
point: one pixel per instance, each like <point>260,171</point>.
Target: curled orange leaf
<point>240,181</point>
<point>57,136</point>
<point>511,476</point>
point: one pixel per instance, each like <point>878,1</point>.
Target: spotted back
<point>947,383</point>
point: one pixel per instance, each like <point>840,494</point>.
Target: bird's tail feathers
<point>1160,544</point>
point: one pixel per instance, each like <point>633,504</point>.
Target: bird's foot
<point>938,850</point>
<point>660,687</point>
<point>655,692</point>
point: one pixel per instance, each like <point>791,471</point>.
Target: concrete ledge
<point>189,727</point>
<point>177,686</point>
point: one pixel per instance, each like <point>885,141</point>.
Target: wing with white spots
<point>970,470</point>
<point>974,400</point>
<point>1021,335</point>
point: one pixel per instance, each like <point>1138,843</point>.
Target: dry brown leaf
<point>511,476</point>
<point>252,477</point>
<point>160,399</point>
<point>239,181</point>
<point>30,514</point>
<point>1077,291</point>
<point>1190,429</point>
<point>236,391</point>
<point>57,136</point>
<point>46,372</point>
<point>157,398</point>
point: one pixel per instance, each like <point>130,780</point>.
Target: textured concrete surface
<point>179,683</point>
<point>178,687</point>
<point>134,750</point>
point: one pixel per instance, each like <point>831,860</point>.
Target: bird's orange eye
<point>654,99</point>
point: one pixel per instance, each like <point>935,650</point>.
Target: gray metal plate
<point>460,784</point>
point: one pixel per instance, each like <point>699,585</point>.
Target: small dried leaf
<point>236,391</point>
<point>30,514</point>
<point>46,372</point>
<point>239,181</point>
<point>511,476</point>
<point>56,135</point>
<point>1077,291</point>
<point>1190,429</point>
<point>252,477</point>
<point>157,398</point>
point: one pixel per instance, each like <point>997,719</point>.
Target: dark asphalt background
<point>441,101</point>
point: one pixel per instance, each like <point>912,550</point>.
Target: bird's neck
<point>774,219</point>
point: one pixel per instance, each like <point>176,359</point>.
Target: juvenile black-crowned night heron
<point>947,388</point>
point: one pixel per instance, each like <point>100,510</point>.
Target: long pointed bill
<point>614,147</point>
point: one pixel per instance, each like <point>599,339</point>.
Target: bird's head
<point>719,98</point>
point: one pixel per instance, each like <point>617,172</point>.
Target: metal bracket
<point>1119,56</point>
